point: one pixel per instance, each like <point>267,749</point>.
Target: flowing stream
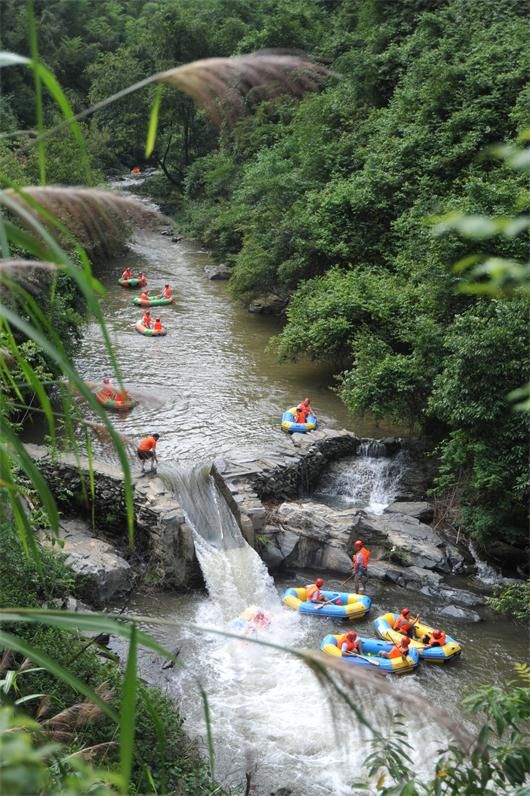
<point>211,387</point>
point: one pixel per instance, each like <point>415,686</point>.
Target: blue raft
<point>370,647</point>
<point>290,425</point>
<point>351,606</point>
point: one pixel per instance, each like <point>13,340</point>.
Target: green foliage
<point>498,763</point>
<point>513,599</point>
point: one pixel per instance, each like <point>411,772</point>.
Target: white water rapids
<point>269,714</point>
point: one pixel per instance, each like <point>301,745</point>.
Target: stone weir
<point>161,536</point>
<point>162,539</point>
<point>290,471</point>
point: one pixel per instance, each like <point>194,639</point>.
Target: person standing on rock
<point>360,558</point>
<point>147,450</point>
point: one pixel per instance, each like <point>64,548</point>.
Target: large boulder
<point>318,536</point>
<point>100,572</point>
<point>416,543</point>
<point>271,304</point>
<point>421,510</point>
<point>463,614</point>
<point>218,272</point>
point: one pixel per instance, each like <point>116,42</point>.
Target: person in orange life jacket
<point>166,293</point>
<point>351,643</point>
<point>404,623</point>
<point>360,558</point>
<point>303,410</point>
<point>313,593</point>
<point>147,450</point>
<point>127,273</point>
<point>157,326</point>
<point>141,278</point>
<point>438,639</point>
<point>144,296</point>
<point>146,320</point>
<point>400,649</point>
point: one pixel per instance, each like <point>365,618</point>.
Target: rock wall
<point>161,535</point>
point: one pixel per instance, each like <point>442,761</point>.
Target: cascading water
<point>368,480</point>
<point>232,570</point>
<point>269,714</point>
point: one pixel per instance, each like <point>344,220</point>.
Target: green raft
<point>153,302</point>
<point>132,282</point>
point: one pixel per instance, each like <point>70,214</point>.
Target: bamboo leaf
<point>39,108</point>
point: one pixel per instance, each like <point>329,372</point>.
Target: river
<point>209,388</point>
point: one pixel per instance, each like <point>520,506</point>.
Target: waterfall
<point>369,480</point>
<point>484,571</point>
<point>234,574</point>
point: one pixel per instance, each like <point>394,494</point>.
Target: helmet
<point>358,543</point>
<point>156,436</point>
<point>319,582</point>
<point>157,320</point>
<point>351,636</point>
<point>405,611</point>
<point>166,285</point>
<point>106,380</point>
<point>405,641</point>
<point>307,401</point>
<point>436,633</point>
<point>259,615</point>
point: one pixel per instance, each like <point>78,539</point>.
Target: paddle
<point>364,657</point>
<point>333,599</point>
<point>347,579</point>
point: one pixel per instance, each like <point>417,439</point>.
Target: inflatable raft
<point>345,606</point>
<point>156,301</point>
<point>141,329</point>
<point>450,650</point>
<point>132,282</point>
<point>290,425</point>
<point>112,403</point>
<point>371,646</point>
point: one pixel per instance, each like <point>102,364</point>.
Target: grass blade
<point>153,122</point>
<point>8,641</point>
<point>209,734</point>
<point>128,712</point>
<point>39,109</point>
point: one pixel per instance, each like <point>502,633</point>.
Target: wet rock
<point>421,510</point>
<point>463,614</point>
<point>270,304</point>
<point>458,596</point>
<point>100,572</point>
<point>417,543</point>
<point>218,272</point>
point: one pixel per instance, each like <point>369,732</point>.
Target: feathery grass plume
<point>96,752</point>
<point>222,85</point>
<point>90,214</point>
<point>24,272</point>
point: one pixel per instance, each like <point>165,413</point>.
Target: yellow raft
<point>450,650</point>
<point>342,606</point>
<point>369,659</point>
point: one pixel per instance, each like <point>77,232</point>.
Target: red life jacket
<point>365,554</point>
<point>167,292</point>
<point>351,646</point>
<point>157,326</point>
<point>147,321</point>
